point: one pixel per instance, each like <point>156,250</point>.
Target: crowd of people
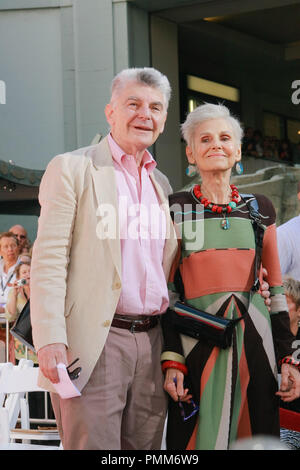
<point>257,145</point>
<point>109,301</point>
<point>15,252</point>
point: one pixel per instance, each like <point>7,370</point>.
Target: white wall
<point>31,121</point>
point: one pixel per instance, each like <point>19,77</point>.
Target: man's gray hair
<point>205,112</point>
<point>145,76</point>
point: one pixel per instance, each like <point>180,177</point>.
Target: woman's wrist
<point>290,361</point>
<point>174,365</point>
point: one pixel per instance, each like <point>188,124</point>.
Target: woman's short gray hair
<point>205,112</point>
<point>145,76</point>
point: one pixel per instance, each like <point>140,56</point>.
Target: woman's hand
<point>265,289</point>
<point>16,289</point>
<point>290,383</point>
<point>174,385</point>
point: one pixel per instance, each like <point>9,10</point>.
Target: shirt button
<point>106,323</point>
<point>117,285</point>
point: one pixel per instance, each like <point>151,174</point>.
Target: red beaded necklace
<point>216,207</point>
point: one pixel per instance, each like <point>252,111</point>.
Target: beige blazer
<point>76,276</point>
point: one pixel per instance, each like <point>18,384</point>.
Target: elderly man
<point>103,252</point>
<point>9,251</point>
<point>21,234</point>
<point>288,239</point>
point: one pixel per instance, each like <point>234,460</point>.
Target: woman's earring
<point>191,171</point>
<point>239,168</point>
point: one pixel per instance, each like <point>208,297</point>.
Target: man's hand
<point>264,289</point>
<point>290,383</point>
<point>49,356</point>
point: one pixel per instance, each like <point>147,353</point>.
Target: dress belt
<point>136,323</point>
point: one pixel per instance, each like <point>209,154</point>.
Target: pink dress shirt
<point>142,233</point>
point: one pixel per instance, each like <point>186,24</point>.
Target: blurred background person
<point>292,294</point>
<point>285,151</point>
<point>9,250</point>
<point>288,240</point>
<point>16,300</point>
<point>290,437</point>
<point>21,234</point>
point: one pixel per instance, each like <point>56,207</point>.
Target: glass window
<point>208,87</point>
<point>293,131</point>
<point>273,125</point>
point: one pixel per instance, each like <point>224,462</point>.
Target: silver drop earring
<point>239,168</point>
<point>191,171</point>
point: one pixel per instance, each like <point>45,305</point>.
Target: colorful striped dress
<point>235,387</point>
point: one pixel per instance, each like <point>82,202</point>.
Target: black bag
<point>213,329</point>
<point>198,324</point>
<point>22,327</point>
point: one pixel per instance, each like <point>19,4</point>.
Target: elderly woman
<point>235,388</point>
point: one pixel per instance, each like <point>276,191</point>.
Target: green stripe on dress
<point>197,235</point>
<point>211,404</point>
<point>237,402</point>
<point>206,301</point>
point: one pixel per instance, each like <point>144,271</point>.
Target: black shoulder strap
<point>259,231</point>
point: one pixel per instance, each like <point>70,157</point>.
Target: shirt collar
<point>119,156</point>
<point>11,269</point>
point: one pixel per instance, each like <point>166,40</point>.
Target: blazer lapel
<point>105,189</point>
<point>171,244</point>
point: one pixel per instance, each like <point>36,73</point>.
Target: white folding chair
<point>15,382</point>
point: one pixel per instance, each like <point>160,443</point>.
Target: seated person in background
<point>258,143</point>
<point>285,151</point>
<point>17,298</point>
<point>274,146</point>
<point>248,141</point>
<point>292,292</point>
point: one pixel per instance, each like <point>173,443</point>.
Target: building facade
<point>58,58</point>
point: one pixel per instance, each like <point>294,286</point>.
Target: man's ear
<point>109,111</point>
<point>189,154</point>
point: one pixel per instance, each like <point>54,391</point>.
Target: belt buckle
<point>133,325</point>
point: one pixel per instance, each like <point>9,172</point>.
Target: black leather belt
<point>136,323</point>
